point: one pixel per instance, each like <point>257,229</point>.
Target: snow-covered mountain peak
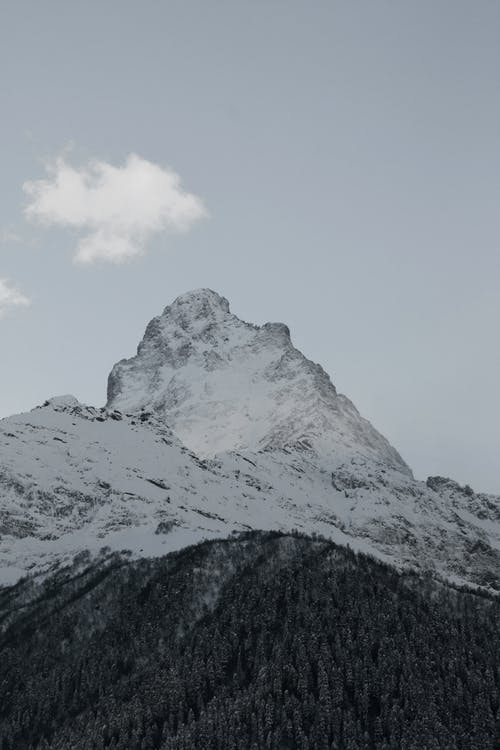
<point>291,453</point>
<point>197,303</point>
<point>223,384</point>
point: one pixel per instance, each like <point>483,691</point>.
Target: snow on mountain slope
<point>75,478</point>
<point>289,453</point>
<point>223,384</point>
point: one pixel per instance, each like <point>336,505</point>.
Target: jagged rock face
<point>223,384</point>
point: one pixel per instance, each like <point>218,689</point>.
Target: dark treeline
<point>265,642</point>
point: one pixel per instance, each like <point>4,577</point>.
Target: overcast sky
<point>332,165</point>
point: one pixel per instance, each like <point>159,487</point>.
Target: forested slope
<point>260,641</point>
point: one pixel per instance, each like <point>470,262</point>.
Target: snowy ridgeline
<point>219,426</point>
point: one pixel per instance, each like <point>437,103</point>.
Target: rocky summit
<point>216,427</point>
<point>223,384</point>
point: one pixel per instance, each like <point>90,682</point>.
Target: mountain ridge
<point>76,477</point>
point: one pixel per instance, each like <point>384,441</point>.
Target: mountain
<point>256,642</point>
<point>223,384</point>
<point>216,427</point>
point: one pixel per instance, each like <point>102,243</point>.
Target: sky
<point>332,165</point>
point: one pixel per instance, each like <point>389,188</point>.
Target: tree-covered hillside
<point>265,642</point>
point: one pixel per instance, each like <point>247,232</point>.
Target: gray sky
<point>348,155</point>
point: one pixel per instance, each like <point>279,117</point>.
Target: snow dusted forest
<point>264,641</point>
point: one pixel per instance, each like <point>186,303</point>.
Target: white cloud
<point>117,209</point>
<point>10,297</point>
